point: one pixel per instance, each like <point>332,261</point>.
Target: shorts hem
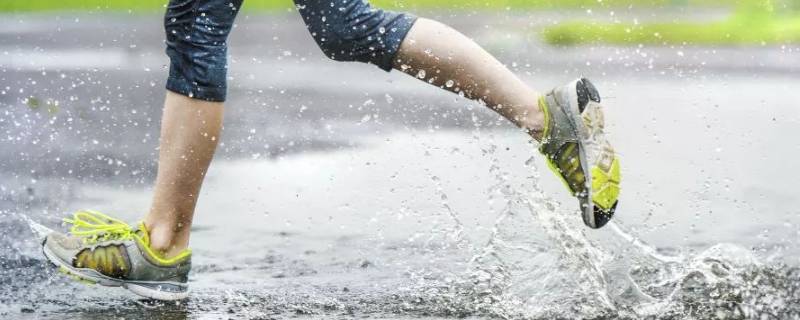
<point>181,86</point>
<point>403,26</point>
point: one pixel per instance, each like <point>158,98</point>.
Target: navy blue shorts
<point>345,30</point>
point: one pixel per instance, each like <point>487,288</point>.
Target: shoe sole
<point>574,115</point>
<point>598,203</point>
<point>605,182</point>
<point>167,291</point>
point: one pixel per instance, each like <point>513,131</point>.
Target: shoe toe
<point>64,241</point>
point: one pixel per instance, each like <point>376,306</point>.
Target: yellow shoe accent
<point>569,167</point>
<point>553,167</point>
<point>605,185</point>
<point>546,112</point>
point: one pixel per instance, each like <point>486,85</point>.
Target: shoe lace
<point>93,227</point>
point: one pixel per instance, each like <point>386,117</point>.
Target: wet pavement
<point>341,191</point>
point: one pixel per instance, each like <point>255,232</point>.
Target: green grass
<point>155,5</point>
<point>750,24</point>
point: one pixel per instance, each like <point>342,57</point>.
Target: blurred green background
<point>750,22</point>
<point>758,22</point>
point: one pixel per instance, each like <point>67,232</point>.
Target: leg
<point>189,134</point>
<point>572,140</point>
<point>568,120</point>
<point>197,31</point>
<point>98,247</point>
<point>190,130</point>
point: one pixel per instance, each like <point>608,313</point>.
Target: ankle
<point>165,239</point>
<point>533,122</point>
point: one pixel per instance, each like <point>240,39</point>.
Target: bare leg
<point>446,58</point>
<point>190,130</point>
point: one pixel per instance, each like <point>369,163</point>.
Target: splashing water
<point>537,265</point>
<point>39,230</point>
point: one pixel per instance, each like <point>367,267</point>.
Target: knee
<point>346,37</point>
<point>334,30</point>
<point>353,30</point>
<point>197,71</point>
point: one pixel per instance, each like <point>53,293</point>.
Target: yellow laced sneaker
<point>577,150</point>
<point>106,251</point>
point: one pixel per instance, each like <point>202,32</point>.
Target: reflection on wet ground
<point>341,191</point>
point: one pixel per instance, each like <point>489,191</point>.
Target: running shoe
<point>106,251</point>
<point>577,150</point>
